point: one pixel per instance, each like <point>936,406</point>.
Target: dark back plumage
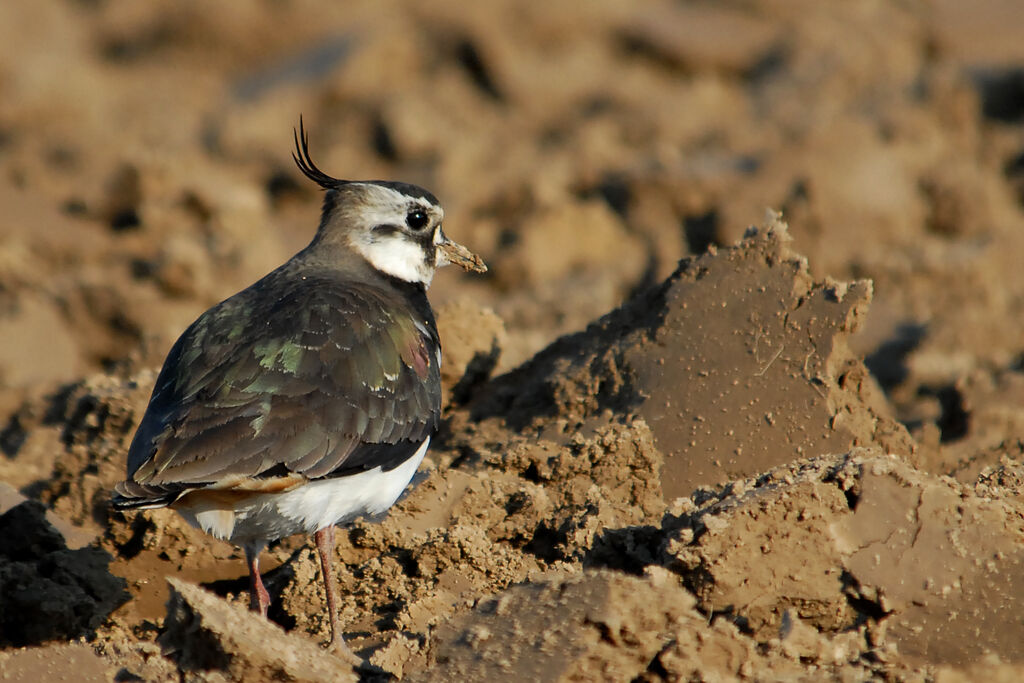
<point>307,372</point>
<point>326,367</point>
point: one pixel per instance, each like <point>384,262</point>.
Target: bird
<point>308,399</point>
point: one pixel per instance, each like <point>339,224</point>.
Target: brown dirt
<point>675,448</point>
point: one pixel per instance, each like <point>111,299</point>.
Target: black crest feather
<point>305,162</point>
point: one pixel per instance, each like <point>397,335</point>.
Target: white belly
<point>307,508</point>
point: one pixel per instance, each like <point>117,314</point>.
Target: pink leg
<point>259,598</point>
<point>325,548</point>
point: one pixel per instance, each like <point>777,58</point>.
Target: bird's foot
<point>339,648</point>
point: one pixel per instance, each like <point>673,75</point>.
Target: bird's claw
<point>340,649</point>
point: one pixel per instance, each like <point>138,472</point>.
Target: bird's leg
<point>259,598</point>
<point>325,548</point>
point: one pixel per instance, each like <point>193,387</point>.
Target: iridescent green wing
<point>324,379</point>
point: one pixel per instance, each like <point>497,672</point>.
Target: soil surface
<point>685,437</point>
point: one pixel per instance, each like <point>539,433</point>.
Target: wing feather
<point>329,378</point>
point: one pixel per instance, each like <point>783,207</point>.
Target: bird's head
<point>395,226</point>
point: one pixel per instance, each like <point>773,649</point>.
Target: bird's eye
<point>417,220</point>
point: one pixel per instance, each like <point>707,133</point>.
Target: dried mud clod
<point>603,625</point>
<point>859,542</point>
<point>204,635</point>
<point>738,361</point>
<point>47,591</point>
<point>835,562</point>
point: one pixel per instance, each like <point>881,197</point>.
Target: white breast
<point>307,508</point>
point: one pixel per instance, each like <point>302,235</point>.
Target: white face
<point>393,238</point>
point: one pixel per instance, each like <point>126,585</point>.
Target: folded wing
<point>330,379</point>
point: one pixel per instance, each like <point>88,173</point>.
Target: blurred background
<point>581,148</point>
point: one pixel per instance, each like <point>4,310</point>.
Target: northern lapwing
<point>308,399</point>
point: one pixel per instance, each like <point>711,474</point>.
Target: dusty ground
<point>676,447</point>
